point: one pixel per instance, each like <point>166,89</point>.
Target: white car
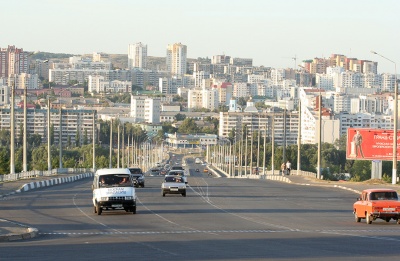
<point>173,184</point>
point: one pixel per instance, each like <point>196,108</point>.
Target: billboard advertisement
<point>370,144</point>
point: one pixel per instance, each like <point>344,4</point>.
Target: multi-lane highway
<point>220,219</point>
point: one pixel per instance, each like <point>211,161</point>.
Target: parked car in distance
<point>138,176</point>
<point>377,203</point>
<point>173,185</point>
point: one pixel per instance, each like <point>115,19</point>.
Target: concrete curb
<point>17,231</point>
<point>47,183</point>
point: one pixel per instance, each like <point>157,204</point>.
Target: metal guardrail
<point>41,173</point>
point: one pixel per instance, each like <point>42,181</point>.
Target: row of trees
<point>79,154</point>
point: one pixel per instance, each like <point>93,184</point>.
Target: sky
<point>279,33</point>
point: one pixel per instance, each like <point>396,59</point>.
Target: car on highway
<point>173,184</point>
<point>180,173</point>
<point>206,170</point>
<point>163,172</point>
<point>177,168</point>
<point>154,172</point>
<point>113,189</point>
<point>377,203</point>
<point>138,176</point>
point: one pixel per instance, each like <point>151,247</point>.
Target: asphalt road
<point>220,219</point>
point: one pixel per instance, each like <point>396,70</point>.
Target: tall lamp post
<point>395,115</point>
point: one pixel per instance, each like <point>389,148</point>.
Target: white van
<point>113,189</point>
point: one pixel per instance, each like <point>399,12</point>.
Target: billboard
<point>370,144</point>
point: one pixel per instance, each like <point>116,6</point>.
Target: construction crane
<point>294,59</point>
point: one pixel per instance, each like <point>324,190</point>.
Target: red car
<point>377,203</point>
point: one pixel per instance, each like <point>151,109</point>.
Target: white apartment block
<point>284,125</point>
<point>364,120</point>
<point>277,76</point>
<point>210,99</point>
<point>199,76</point>
<point>152,108</point>
<point>137,56</point>
<point>72,122</point>
<point>24,80</point>
<point>176,59</point>
<point>241,89</point>
<point>324,81</point>
<point>170,85</point>
<point>341,102</point>
<point>256,78</point>
<point>97,84</point>
<point>330,127</point>
<point>137,108</point>
<point>63,76</point>
<point>376,103</point>
<point>4,94</point>
<point>388,82</point>
<point>350,79</point>
<point>145,109</point>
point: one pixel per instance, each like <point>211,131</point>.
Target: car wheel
<point>163,194</point>
<point>94,209</point>
<point>134,210</point>
<point>98,209</point>
<point>387,219</point>
<point>368,218</point>
<point>184,194</point>
<point>143,186</point>
<point>357,218</point>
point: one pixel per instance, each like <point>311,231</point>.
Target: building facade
<point>137,56</point>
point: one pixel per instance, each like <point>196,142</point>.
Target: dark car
<point>138,176</point>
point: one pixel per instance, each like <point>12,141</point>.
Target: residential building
<point>13,61</point>
<point>137,56</point>
<point>75,124</point>
<point>282,123</point>
<point>177,59</point>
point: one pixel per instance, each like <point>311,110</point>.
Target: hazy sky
<point>270,32</point>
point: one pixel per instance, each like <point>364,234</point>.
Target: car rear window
<point>136,171</point>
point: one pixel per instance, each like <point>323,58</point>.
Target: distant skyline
<point>272,33</point>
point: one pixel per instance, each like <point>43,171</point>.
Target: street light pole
<point>395,115</point>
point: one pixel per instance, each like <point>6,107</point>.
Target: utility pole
<point>60,140</point>
<point>48,136</point>
<point>299,142</point>
<point>111,145</point>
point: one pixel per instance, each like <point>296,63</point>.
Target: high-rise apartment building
<point>13,61</point>
<point>176,59</point>
<point>137,56</point>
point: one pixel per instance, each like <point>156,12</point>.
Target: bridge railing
<point>41,173</point>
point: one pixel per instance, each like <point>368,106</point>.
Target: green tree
<point>77,139</point>
<point>39,158</point>
<point>188,126</point>
<point>4,160</point>
<point>180,117</point>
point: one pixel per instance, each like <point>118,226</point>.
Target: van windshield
<point>115,180</point>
